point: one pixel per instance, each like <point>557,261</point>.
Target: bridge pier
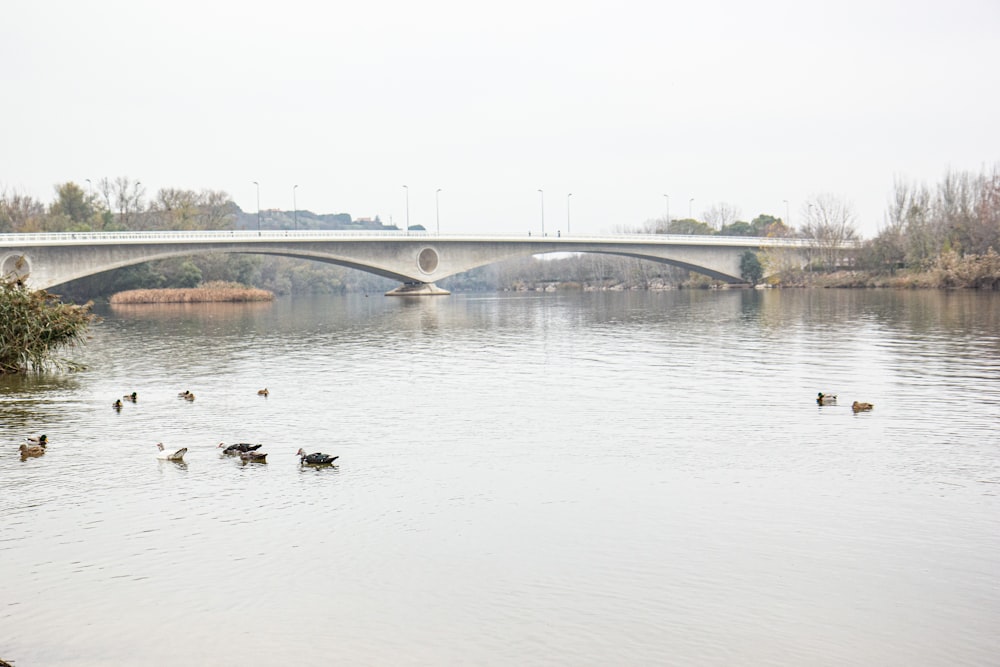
<point>418,289</point>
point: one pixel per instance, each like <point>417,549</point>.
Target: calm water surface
<point>581,479</point>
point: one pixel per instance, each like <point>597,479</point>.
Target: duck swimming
<point>316,459</point>
<point>133,397</point>
<point>861,407</point>
<point>263,392</point>
<point>189,396</point>
<point>254,456</point>
<point>170,454</point>
<point>826,399</point>
<point>238,448</point>
<point>183,394</point>
<point>32,450</point>
<point>40,440</point>
<point>117,405</point>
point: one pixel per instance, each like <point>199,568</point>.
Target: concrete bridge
<point>416,259</point>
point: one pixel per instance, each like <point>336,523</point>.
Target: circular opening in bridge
<point>15,266</point>
<point>427,260</point>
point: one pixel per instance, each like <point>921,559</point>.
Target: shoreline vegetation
<point>34,325</point>
<point>211,292</point>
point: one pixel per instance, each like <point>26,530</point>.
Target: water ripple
<point>559,479</point>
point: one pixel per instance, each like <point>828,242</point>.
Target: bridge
<point>416,259</point>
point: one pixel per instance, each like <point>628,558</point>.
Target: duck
<point>189,396</point>
<point>131,397</point>
<point>826,399</point>
<point>254,456</point>
<point>40,440</point>
<point>238,448</point>
<point>861,407</point>
<point>183,394</point>
<point>316,459</point>
<point>170,454</point>
<point>263,392</point>
<point>117,405</point>
<point>31,450</point>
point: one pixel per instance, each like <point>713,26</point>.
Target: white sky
<point>618,102</point>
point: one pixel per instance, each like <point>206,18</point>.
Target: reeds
<point>34,324</point>
<point>207,293</point>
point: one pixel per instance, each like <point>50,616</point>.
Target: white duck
<point>170,454</point>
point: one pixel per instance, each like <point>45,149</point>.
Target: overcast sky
<point>617,102</point>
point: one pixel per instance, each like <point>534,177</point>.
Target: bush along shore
<point>209,292</point>
<point>34,325</point>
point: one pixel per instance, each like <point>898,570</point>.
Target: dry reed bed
<point>209,292</point>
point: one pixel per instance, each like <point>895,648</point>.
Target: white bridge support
<point>417,260</point>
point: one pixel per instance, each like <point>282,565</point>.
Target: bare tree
<point>128,197</point>
<point>910,226</point>
<point>105,186</point>
<point>969,209</point>
<point>988,211</point>
<point>830,221</point>
<point>721,214</point>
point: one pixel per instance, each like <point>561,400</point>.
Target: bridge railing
<point>90,238</point>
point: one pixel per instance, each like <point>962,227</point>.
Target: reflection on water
<point>588,478</point>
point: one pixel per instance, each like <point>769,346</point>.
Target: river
<point>544,479</point>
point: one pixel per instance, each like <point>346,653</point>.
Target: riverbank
<point>207,293</point>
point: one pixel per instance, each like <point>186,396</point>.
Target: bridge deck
<point>215,236</point>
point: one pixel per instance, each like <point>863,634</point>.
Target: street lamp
<point>437,209</point>
<point>542,199</point>
<point>690,201</point>
<point>295,208</point>
<point>258,206</point>
<point>567,212</point>
<point>788,216</point>
<point>407,189</point>
<point>668,213</point>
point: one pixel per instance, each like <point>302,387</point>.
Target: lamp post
<point>690,201</point>
<point>407,190</point>
<point>258,206</point>
<point>437,209</point>
<point>788,215</point>
<point>567,212</point>
<point>89,186</point>
<point>542,199</point>
<point>295,208</point>
<point>668,214</point>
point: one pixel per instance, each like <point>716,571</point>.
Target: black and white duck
<point>316,459</point>
<point>170,454</point>
<point>238,448</point>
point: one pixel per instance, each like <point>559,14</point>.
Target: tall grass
<point>34,325</point>
<point>209,292</point>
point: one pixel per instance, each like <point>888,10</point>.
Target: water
<point>561,479</point>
